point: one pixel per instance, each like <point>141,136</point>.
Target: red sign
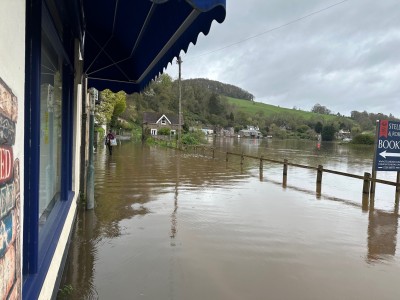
<point>6,164</point>
<point>383,129</point>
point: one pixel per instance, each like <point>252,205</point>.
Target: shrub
<point>164,131</point>
<point>364,139</point>
<point>193,138</point>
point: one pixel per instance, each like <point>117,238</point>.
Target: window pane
<point>50,129</point>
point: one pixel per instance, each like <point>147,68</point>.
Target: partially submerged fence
<point>320,170</point>
<point>367,178</point>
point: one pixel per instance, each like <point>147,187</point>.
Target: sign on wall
<point>10,245</point>
<point>388,146</point>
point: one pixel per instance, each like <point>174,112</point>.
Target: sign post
<point>387,149</point>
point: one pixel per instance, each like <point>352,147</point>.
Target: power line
<point>272,29</point>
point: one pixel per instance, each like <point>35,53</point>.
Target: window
<point>153,131</point>
<point>163,121</point>
<point>48,140</point>
<point>50,128</point>
<point>173,132</point>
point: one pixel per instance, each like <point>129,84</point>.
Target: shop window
<point>48,141</point>
<point>50,129</point>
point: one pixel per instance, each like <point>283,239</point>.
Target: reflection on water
<point>176,225</point>
<point>382,233</point>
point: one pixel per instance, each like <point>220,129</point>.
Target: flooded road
<point>175,225</point>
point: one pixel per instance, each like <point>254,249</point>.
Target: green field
<point>270,110</point>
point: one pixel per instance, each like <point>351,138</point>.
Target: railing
<point>320,169</point>
<point>367,179</point>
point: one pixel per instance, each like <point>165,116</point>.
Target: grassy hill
<point>270,110</point>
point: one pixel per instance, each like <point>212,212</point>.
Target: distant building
<point>250,133</point>
<point>207,131</point>
<point>343,134</point>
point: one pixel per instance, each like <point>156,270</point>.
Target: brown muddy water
<point>180,225</point>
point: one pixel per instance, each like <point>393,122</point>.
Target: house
<point>225,132</point>
<point>250,133</point>
<point>153,122</point>
<point>207,131</point>
<point>51,53</point>
<point>343,134</point>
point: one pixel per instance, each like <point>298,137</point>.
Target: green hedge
<point>364,139</point>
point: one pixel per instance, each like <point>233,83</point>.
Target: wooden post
<point>373,173</point>
<point>241,159</point>
<point>319,174</point>
<point>397,197</point>
<point>285,161</point>
<point>366,185</point>
<point>318,189</point>
<point>213,153</point>
<point>284,179</point>
<point>261,163</point>
<point>226,157</point>
<point>365,202</point>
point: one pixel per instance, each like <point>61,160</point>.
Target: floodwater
<point>184,226</point>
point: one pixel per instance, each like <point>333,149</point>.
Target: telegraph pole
<point>179,62</point>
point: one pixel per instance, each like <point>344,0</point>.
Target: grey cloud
<point>346,58</point>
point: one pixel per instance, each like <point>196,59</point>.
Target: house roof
<point>153,117</point>
<point>128,43</point>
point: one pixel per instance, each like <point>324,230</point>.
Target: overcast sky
<point>346,57</point>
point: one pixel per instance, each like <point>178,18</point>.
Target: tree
<point>328,133</point>
<point>111,106</point>
<point>214,105</point>
<point>320,109</point>
<point>318,127</point>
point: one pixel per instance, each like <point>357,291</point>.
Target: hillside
<point>270,110</point>
<point>219,88</point>
<point>208,103</point>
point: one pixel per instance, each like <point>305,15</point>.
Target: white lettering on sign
<point>392,145</point>
<point>394,126</point>
<point>6,164</point>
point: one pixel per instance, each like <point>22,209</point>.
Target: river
<point>182,225</point>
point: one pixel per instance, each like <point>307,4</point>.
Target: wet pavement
<point>180,225</point>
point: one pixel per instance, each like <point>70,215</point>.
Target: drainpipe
<point>180,105</point>
<point>93,95</point>
<point>82,183</point>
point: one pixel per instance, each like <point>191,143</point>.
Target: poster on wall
<point>10,244</point>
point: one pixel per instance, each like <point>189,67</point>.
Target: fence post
<point>366,185</point>
<point>261,163</point>
<point>285,161</point>
<point>319,174</point>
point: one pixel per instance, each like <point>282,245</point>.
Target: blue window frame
<point>46,208</point>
